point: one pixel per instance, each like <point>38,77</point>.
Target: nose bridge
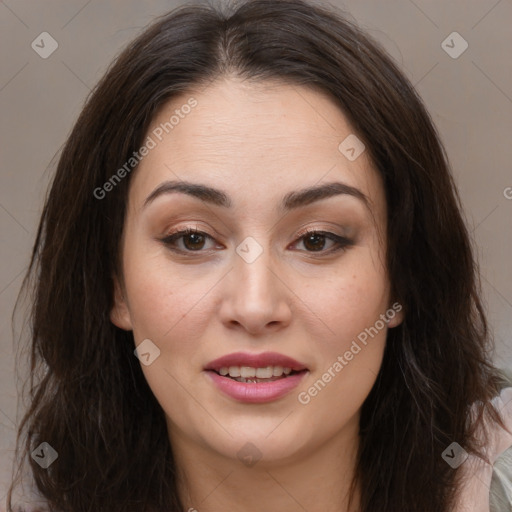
<point>255,297</point>
<point>252,268</point>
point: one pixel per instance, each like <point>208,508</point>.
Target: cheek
<point>172,310</point>
<point>350,357</point>
<point>167,305</point>
<point>160,304</point>
<point>351,300</point>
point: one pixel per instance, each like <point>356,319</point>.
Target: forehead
<point>253,140</point>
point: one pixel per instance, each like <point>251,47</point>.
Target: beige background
<point>469,97</point>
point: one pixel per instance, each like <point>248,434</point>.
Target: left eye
<point>314,241</point>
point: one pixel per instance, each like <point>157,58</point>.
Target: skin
<point>257,142</point>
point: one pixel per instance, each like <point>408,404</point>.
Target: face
<point>266,273</point>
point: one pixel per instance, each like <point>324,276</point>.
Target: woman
<point>253,285</point>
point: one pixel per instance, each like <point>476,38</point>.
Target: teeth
<point>277,371</point>
<point>265,373</point>
<point>247,372</point>
<point>234,371</point>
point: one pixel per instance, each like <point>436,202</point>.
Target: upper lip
<point>261,360</point>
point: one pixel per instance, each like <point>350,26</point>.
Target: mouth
<point>255,378</point>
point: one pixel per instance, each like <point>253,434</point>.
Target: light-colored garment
<point>501,484</point>
<point>488,488</point>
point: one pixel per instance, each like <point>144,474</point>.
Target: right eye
<point>192,240</point>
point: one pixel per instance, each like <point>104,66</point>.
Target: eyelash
<point>341,243</point>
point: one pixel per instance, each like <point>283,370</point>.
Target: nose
<point>256,297</point>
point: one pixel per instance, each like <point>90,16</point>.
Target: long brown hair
<point>88,396</point>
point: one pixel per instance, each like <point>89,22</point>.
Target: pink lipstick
<point>255,378</point>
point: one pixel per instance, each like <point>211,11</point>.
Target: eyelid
<point>341,242</point>
<point>318,231</point>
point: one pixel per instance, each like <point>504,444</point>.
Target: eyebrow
<point>290,201</point>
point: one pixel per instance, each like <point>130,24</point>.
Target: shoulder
<point>500,497</point>
<point>488,487</point>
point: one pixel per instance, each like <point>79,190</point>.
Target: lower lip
<point>256,392</point>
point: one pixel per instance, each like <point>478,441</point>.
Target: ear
<point>395,314</point>
<point>120,314</point>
